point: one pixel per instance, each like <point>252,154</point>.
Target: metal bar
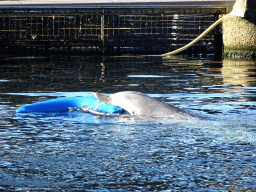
<point>77,4</point>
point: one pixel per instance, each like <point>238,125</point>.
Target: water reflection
<point>239,72</point>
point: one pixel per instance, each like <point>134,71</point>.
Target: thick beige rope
<point>195,40</point>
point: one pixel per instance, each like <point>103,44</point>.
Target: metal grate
<point>108,31</point>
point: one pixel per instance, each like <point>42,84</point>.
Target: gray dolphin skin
<point>139,104</point>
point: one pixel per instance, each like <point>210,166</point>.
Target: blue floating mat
<point>65,103</point>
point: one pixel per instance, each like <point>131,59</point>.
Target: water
<point>77,151</point>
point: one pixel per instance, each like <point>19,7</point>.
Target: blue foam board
<point>65,103</point>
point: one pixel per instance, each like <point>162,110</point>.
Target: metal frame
<point>151,30</point>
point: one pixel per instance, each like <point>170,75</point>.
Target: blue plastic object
<point>65,103</point>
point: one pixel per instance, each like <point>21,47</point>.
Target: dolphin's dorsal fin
<point>104,98</point>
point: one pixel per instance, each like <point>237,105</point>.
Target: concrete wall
<point>239,30</point>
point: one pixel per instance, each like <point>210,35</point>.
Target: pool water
<point>79,151</point>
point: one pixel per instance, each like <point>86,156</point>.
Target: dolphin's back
<point>137,103</point>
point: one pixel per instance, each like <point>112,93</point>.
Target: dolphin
<point>139,104</point>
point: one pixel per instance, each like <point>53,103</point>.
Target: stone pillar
<point>239,30</point>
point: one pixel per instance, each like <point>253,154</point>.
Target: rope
<point>195,40</point>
